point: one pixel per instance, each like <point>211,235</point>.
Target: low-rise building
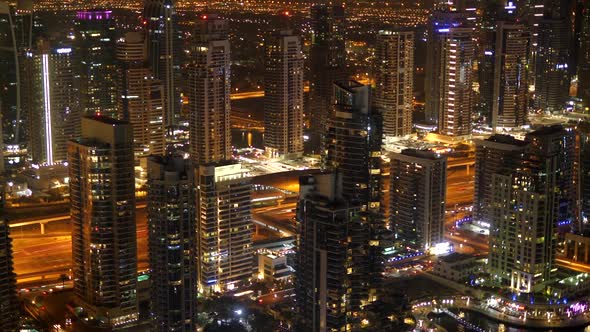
<point>457,267</point>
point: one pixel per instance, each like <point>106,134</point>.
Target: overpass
<point>45,221</point>
<point>463,162</point>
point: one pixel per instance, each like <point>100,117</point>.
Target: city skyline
<point>262,166</point>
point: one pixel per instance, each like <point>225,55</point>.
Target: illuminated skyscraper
<point>584,54</point>
<point>158,18</point>
<point>552,79</point>
<point>327,65</point>
<point>510,92</point>
<point>51,99</point>
<point>9,74</point>
<point>224,226</point>
<point>393,70</point>
<point>496,154</point>
<point>94,44</point>
<point>449,73</point>
<point>9,305</point>
<point>527,204</point>
<point>104,239</point>
<point>353,148</point>
<point>209,92</point>
<point>172,244</point>
<point>418,196</point>
<point>141,98</point>
<point>283,95</point>
<point>328,254</point>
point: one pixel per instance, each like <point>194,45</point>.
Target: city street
<point>38,257</point>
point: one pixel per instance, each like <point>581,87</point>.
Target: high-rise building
<point>583,55</point>
<point>51,100</point>
<point>353,148</point>
<point>543,142</point>
<point>510,90</point>
<point>94,44</point>
<point>526,206</point>
<point>418,196</point>
<point>224,226</point>
<point>172,244</point>
<point>552,59</point>
<point>393,71</point>
<point>102,195</point>
<point>158,18</point>
<point>583,175</point>
<point>450,74</point>
<point>9,306</point>
<point>9,75</point>
<point>209,92</point>
<point>496,154</point>
<point>439,28</point>
<point>141,98</point>
<point>283,95</point>
<point>328,255</point>
<point>455,83</point>
<point>327,65</point>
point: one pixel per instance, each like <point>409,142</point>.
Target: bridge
<point>45,221</point>
<point>463,162</point>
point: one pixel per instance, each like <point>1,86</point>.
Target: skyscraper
<point>327,65</point>
<point>224,226</point>
<point>95,45</point>
<point>102,195</point>
<point>510,92</point>
<point>51,99</point>
<point>455,83</point>
<point>584,54</point>
<point>527,203</point>
<point>141,98</point>
<point>353,148</point>
<point>552,79</point>
<point>209,92</point>
<point>439,27</point>
<point>328,255</point>
<point>9,75</point>
<point>393,71</point>
<point>283,95</point>
<point>496,154</point>
<point>158,18</point>
<point>449,73</point>
<point>8,300</point>
<point>418,196</point>
<point>172,244</point>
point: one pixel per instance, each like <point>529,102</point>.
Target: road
<point>38,257</point>
<point>279,217</point>
<point>460,187</point>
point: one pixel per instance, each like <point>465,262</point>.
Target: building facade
<point>283,95</point>
<point>224,226</point>
<point>9,305</point>
<point>327,65</point>
<point>51,101</point>
<point>172,244</point>
<point>511,83</point>
<point>393,70</point>
<point>327,273</point>
<point>95,46</point>
<point>159,18</point>
<point>209,92</point>
<point>496,154</point>
<point>418,196</point>
<point>104,239</point>
<point>141,99</point>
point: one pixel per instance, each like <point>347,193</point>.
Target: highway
<point>38,257</point>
